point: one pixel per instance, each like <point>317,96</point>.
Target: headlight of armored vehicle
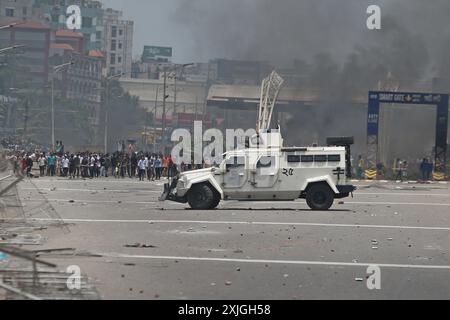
<point>181,183</point>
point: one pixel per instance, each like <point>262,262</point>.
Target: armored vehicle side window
<point>307,159</point>
<point>265,162</point>
<point>294,159</point>
<point>235,162</point>
<point>334,158</point>
<point>320,158</point>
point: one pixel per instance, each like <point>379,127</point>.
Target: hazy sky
<point>202,29</point>
<point>284,30</point>
<point>153,25</point>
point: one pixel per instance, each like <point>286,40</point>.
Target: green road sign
<point>155,53</point>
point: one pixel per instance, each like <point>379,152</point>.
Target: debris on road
<point>140,245</point>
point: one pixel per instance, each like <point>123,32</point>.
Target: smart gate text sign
<point>411,98</point>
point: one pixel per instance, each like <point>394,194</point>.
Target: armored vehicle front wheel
<point>202,197</point>
<point>319,197</point>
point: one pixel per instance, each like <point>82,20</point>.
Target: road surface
<point>134,247</point>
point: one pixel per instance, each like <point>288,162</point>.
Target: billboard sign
<point>153,53</point>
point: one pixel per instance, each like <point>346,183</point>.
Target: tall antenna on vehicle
<point>270,89</point>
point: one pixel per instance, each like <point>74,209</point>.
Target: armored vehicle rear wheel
<point>202,197</point>
<point>319,197</point>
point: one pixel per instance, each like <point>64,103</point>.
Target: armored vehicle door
<point>267,171</point>
<point>236,173</point>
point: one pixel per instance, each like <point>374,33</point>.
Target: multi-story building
<point>33,60</point>
<point>118,45</point>
<point>82,81</point>
<point>13,10</point>
<point>102,29</point>
<point>53,12</point>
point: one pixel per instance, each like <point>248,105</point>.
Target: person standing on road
<point>151,169</point>
<point>102,166</point>
<point>124,167</point>
<point>97,166</point>
<point>72,166</point>
<point>360,172</point>
<point>85,166</point>
<point>29,162</point>
<point>405,170</point>
<point>52,164</point>
<point>77,165</point>
<point>423,169</point>
<point>65,162</point>
<point>158,167</point>
<point>133,165</point>
<point>171,168</point>
<point>398,164</point>
<point>107,164</point>
<point>141,166</point>
<point>92,167</point>
<point>42,164</point>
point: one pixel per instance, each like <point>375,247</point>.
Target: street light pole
<point>163,142</point>
<point>10,25</point>
<point>154,120</point>
<point>165,98</point>
<point>107,109</point>
<point>53,112</point>
<point>56,69</point>
<point>11,48</point>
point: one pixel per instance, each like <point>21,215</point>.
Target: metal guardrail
<point>4,178</point>
<point>10,185</point>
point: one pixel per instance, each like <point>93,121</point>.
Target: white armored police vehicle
<point>267,171</point>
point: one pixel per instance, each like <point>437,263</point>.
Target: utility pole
<point>105,138</point>
<point>175,99</point>
<point>107,94</point>
<point>56,69</point>
<point>165,97</point>
<point>163,144</point>
<point>25,120</point>
<point>154,120</point>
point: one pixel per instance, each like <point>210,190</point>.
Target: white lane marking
<point>350,202</point>
<point>247,202</point>
<point>4,178</point>
<point>402,194</point>
<point>118,181</point>
<point>295,262</point>
<point>328,225</point>
<point>157,191</point>
<point>90,201</point>
<point>92,190</point>
<point>402,203</point>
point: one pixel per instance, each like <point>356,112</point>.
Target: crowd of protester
<point>14,143</point>
<point>95,165</point>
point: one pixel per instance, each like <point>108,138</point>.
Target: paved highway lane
<point>249,250</point>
